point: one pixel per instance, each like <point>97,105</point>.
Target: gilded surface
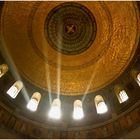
<point>70,28</point>
<point>107,57</point>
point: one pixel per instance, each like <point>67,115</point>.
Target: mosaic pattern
<point>70,28</point>
<point>104,61</point>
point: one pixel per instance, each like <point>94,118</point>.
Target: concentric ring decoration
<point>70,28</point>
<point>30,31</point>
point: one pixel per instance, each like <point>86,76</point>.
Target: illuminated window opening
<point>34,101</point>
<point>15,89</point>
<point>3,69</point>
<point>122,96</point>
<point>55,111</point>
<point>101,107</point>
<point>138,79</point>
<point>78,110</point>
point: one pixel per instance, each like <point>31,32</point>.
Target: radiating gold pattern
<point>109,55</point>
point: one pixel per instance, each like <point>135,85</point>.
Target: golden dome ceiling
<point>98,42</point>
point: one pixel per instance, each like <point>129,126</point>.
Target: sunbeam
<point>49,84</point>
<point>58,75</point>
<point>13,68</point>
<point>88,86</point>
<point>59,60</point>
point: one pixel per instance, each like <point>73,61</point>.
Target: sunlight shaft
<point>12,67</point>
<point>49,84</point>
<point>90,81</point>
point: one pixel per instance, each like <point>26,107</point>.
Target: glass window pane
<point>34,101</point>
<point>78,110</point>
<point>101,107</point>
<point>138,79</point>
<point>123,96</point>
<point>55,111</point>
<point>15,89</point>
<point>32,105</point>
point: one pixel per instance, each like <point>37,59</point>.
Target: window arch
<point>55,110</point>
<point>136,75</point>
<point>122,96</point>
<point>101,107</point>
<point>78,110</point>
<point>34,101</point>
<point>3,69</point>
<point>15,89</point>
<point>121,93</point>
<point>138,79</point>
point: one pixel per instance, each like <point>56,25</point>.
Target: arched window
<point>101,107</point>
<point>34,101</point>
<point>15,89</point>
<point>138,79</point>
<point>3,69</point>
<point>122,96</point>
<point>55,110</point>
<point>78,110</point>
<point>136,75</point>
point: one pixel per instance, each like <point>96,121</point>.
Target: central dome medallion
<point>70,28</point>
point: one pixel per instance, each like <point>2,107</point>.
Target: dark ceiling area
<point>76,50</point>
